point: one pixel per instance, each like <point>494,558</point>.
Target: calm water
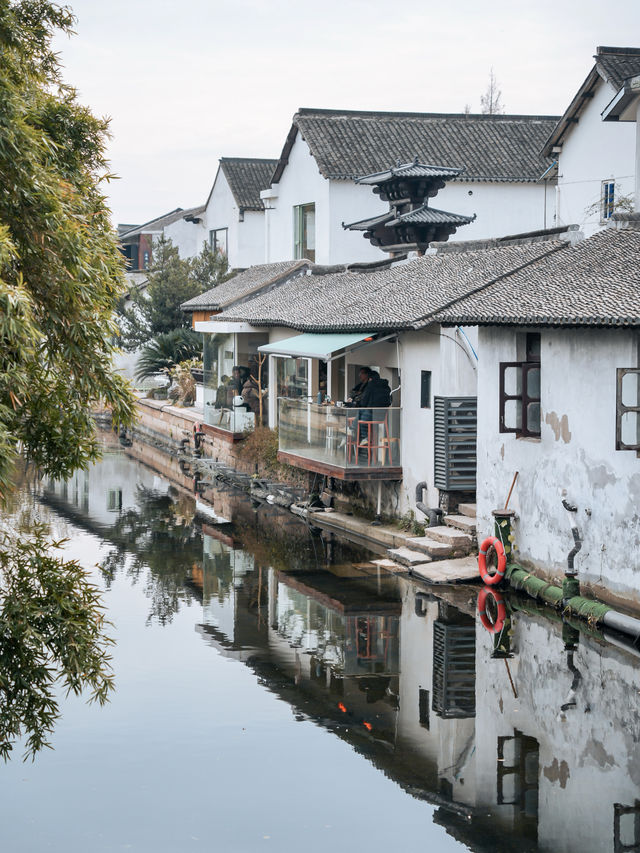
<point>275,690</point>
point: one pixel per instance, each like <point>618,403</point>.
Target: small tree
<point>172,280</point>
<point>491,101</point>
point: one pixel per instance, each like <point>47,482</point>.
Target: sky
<point>185,83</point>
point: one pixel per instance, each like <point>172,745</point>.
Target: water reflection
<point>523,741</point>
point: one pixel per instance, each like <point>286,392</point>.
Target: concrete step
<point>461,522</point>
<point>448,571</point>
<point>461,542</point>
<point>430,546</point>
<point>407,557</point>
<point>467,509</point>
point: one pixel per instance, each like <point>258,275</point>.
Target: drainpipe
<point>434,513</point>
<point>571,584</point>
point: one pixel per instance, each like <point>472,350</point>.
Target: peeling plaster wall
<point>576,452</point>
<point>589,756</point>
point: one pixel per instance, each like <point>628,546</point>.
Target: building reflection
<point>534,748</point>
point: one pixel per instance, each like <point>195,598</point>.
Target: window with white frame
<point>218,241</point>
<point>607,205</point>
<point>304,231</point>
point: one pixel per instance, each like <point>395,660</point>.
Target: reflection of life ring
<point>498,625</point>
<point>490,580</point>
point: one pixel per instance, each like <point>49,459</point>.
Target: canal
<point>276,689</point>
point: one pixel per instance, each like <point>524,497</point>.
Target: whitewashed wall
<point>592,152</point>
<point>501,209</point>
<point>245,239</point>
<point>576,452</point>
<point>187,236</point>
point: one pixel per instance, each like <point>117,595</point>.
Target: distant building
<point>313,190</point>
<point>595,161</point>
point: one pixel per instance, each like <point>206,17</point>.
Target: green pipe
<point>565,597</point>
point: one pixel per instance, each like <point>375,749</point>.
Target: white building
<point>313,190</point>
<point>596,161</point>
<point>559,403</point>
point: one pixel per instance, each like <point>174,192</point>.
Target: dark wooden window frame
<point>621,409</point>
<point>524,398</point>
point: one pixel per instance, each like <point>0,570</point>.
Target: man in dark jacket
<point>376,395</point>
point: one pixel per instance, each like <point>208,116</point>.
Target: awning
<point>314,346</point>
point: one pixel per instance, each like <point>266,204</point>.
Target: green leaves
<point>61,273</point>
<point>51,635</point>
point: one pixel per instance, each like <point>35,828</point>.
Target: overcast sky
<point>185,83</point>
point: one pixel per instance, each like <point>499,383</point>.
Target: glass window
<point>628,408</point>
<point>292,377</point>
<point>304,231</point>
<point>608,199</point>
<point>236,381</point>
<point>218,241</point>
<point>425,389</point>
<point>520,392</point>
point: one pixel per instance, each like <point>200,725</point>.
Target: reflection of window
<point>114,500</point>
<point>607,206</point>
<point>517,771</point>
<point>520,392</point>
<point>423,707</point>
<point>628,408</point>
<point>304,231</point>
<point>218,241</point>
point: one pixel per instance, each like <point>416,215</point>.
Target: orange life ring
<point>491,580</point>
<point>498,625</point>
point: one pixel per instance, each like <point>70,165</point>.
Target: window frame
<point>213,241</point>
<point>621,409</point>
<point>607,199</point>
<point>524,397</point>
<point>301,248</point>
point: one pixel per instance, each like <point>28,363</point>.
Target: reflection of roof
<point>614,65</point>
<point>351,144</point>
<point>246,177</point>
<point>388,296</point>
<point>594,283</point>
<point>244,284</point>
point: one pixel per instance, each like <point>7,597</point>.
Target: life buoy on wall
<point>491,580</point>
<point>498,625</point>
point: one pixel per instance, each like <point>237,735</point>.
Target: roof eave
<point>570,115</point>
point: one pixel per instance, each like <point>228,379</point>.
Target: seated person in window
<point>353,400</point>
<point>239,376</point>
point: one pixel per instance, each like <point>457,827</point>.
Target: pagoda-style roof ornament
<point>409,223</point>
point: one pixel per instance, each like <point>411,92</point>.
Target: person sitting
<point>353,400</point>
<point>251,394</point>
<point>239,376</point>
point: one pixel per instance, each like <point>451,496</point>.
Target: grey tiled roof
<point>244,284</point>
<point>349,145</point>
<point>157,224</point>
<point>410,170</point>
<point>613,64</point>
<point>403,296</point>
<point>432,216</point>
<point>616,64</point>
<point>247,177</point>
<point>596,282</point>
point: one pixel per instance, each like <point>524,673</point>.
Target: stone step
<point>467,509</point>
<point>430,546</point>
<point>461,542</point>
<point>407,557</point>
<point>461,522</point>
<point>448,571</point>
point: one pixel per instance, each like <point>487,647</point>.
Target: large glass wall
<point>236,381</point>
